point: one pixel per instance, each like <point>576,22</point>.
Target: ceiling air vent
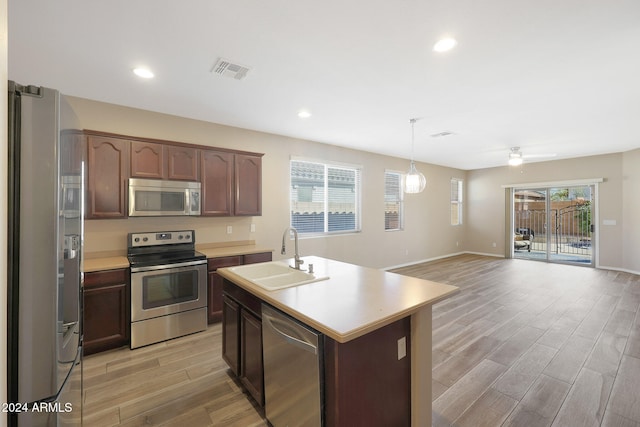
<point>228,69</point>
<point>442,134</point>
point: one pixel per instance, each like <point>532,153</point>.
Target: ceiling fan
<point>516,157</point>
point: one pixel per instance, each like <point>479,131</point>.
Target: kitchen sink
<point>275,275</point>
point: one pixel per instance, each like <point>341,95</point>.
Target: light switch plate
<point>402,347</point>
<point>229,229</point>
<point>253,228</point>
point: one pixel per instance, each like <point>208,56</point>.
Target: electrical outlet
<point>229,229</point>
<point>402,348</point>
<point>253,228</point>
<point>494,244</point>
<point>457,244</point>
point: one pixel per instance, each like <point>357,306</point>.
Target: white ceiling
<point>550,76</point>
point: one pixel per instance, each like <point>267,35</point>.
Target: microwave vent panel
<point>227,68</point>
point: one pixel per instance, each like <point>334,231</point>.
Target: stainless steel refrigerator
<point>45,227</point>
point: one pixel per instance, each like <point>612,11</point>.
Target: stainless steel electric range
<point>168,286</point>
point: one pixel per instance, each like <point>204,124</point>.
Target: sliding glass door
<point>554,224</point>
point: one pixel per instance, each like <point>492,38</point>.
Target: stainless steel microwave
<point>152,197</point>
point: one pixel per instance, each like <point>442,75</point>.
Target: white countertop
<point>354,300</point>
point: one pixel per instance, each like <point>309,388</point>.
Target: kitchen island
<point>357,303</point>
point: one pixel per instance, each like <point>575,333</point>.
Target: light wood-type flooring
<point>529,344</point>
<point>524,343</point>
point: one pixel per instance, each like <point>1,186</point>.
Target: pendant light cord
<point>413,122</point>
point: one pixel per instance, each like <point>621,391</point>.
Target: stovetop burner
<point>161,248</point>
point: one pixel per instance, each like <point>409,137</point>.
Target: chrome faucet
<point>287,232</point>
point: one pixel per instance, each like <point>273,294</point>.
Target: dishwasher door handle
<point>271,321</point>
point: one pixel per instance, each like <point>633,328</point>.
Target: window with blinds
<point>393,201</point>
<point>325,198</point>
<point>456,201</point>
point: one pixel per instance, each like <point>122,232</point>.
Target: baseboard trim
<point>440,257</point>
<point>600,267</point>
<point>484,254</point>
<point>407,264</point>
<point>624,270</point>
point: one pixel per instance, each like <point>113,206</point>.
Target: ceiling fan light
<point>414,181</point>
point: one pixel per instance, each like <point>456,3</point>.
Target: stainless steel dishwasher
<point>292,356</point>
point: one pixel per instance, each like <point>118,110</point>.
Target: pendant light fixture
<point>414,181</point>
<point>515,156</point>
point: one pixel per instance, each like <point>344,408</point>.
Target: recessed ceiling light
<point>445,44</point>
<point>145,73</point>
<point>304,114</point>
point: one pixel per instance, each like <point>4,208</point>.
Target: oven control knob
<point>145,239</point>
<point>188,236</point>
<point>137,239</point>
<point>180,237</point>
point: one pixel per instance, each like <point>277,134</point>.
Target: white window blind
<point>393,201</point>
<point>325,198</point>
<point>456,201</point>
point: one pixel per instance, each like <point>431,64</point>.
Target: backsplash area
<point>111,235</point>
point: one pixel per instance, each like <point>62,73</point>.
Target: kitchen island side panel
<point>365,382</point>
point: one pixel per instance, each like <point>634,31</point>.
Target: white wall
<point>486,201</point>
<point>427,231</point>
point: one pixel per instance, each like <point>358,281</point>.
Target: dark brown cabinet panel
<point>248,180</point>
<point>214,303</point>
<point>365,383</point>
<point>106,310</point>
<point>231,334</point>
<point>215,285</point>
<point>217,183</point>
<point>242,319</point>
<point>107,174</point>
<point>215,280</point>
<point>259,257</point>
<point>163,161</point>
<point>182,163</point>
<point>251,366</point>
<point>147,160</point>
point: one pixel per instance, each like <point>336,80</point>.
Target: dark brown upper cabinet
<point>161,161</point>
<point>147,160</point>
<point>231,180</point>
<point>107,175</point>
<point>182,163</point>
<point>248,180</point>
<point>217,182</point>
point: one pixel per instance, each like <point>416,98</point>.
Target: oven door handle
<point>167,266</point>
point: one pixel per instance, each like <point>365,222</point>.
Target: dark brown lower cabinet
<point>242,338</point>
<point>106,310</point>
<point>251,367</point>
<point>365,384</point>
<point>214,297</point>
<point>231,334</point>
